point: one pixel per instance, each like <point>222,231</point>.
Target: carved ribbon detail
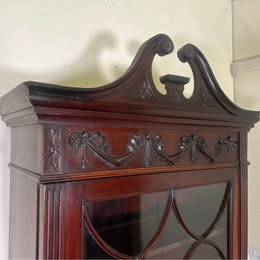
<point>197,144</point>
<point>96,142</point>
<point>151,143</point>
<point>228,144</point>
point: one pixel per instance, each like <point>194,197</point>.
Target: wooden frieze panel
<point>115,148</point>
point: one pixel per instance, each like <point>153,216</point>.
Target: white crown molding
<point>245,65</point>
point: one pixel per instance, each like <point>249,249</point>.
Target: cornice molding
<point>245,65</point>
<point>132,94</point>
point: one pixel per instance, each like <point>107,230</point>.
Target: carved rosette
<point>150,143</point>
<point>53,151</point>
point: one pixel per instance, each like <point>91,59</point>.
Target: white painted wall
<point>88,43</point>
<point>246,34</point>
<point>4,189</point>
<point>246,70</point>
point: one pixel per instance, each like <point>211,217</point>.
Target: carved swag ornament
<point>152,143</point>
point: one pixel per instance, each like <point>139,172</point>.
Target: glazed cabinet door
<point>185,215</point>
<point>174,224</point>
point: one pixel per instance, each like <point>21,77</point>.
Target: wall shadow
<point>86,69</point>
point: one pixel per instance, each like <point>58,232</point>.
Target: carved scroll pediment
<point>133,93</point>
<point>203,97</point>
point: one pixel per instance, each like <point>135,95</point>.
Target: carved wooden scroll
<point>136,92</point>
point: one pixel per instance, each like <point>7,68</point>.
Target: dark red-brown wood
<point>73,146</point>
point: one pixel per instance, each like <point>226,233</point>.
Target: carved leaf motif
<point>99,140</point>
<point>185,141</point>
<point>75,140</point>
<point>135,142</point>
<point>53,149</point>
<point>228,144</point>
<point>142,91</point>
<point>158,142</point>
<point>197,144</point>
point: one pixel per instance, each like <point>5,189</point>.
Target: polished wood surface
<point>117,144</point>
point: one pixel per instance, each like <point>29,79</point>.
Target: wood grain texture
<point>53,222</point>
<point>72,147</point>
<point>23,216</point>
<point>24,141</point>
<point>244,193</point>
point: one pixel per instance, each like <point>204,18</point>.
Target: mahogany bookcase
<point>125,172</point>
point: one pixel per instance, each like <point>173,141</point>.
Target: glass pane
<point>206,252</point>
<point>199,206</point>
<point>173,243</point>
<point>125,226</point>
<point>91,248</point>
<point>128,224</point>
<point>220,234</point>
